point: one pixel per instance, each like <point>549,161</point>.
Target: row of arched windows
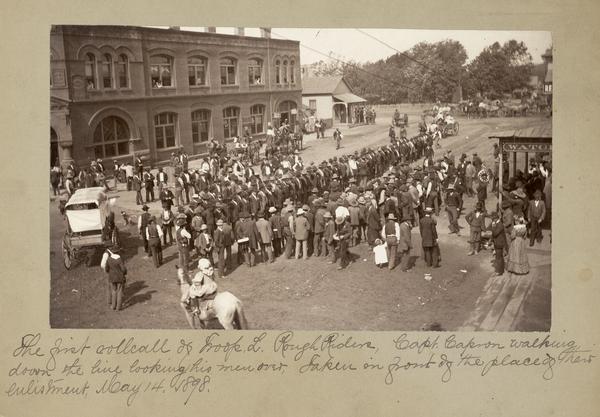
<point>111,136</point>
<point>106,71</point>
<point>285,72</point>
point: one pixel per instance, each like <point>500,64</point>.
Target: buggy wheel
<point>67,256</point>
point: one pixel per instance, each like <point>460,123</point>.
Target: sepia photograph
<point>300,179</point>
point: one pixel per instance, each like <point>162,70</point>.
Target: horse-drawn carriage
<point>448,126</point>
<point>400,119</point>
<point>90,225</point>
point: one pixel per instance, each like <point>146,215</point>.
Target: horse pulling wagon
<point>90,225</point>
<point>400,119</point>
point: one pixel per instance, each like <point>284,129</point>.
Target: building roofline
<point>145,29</point>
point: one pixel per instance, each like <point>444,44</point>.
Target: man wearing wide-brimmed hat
<point>142,225</point>
<point>224,238</point>
<point>344,234</point>
<point>114,265</point>
<point>154,234</point>
<point>183,238</point>
<point>429,238</point>
<point>391,235</point>
<point>405,244</point>
<point>301,231</point>
<point>536,214</point>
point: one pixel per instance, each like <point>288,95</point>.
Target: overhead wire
<point>348,63</point>
<point>434,71</point>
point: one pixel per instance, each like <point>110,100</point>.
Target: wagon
<point>90,225</point>
<point>400,119</point>
<point>449,127</point>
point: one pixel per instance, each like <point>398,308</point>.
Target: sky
<point>348,44</point>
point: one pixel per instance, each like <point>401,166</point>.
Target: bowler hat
<point>272,209</point>
<point>220,222</point>
<point>145,207</point>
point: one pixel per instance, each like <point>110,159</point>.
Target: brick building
<point>116,91</point>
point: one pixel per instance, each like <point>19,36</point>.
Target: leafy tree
<point>500,69</point>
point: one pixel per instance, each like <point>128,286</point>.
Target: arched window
<point>123,71</point>
<point>90,72</point>
<point>164,130</point>
<point>231,117</point>
<point>111,138</point>
<point>285,71</point>
<point>107,74</point>
<point>228,71</point>
<point>200,125</point>
<point>161,70</point>
<point>197,70</point>
<point>257,116</point>
<point>255,71</point>
<point>278,72</point>
<point>292,72</point>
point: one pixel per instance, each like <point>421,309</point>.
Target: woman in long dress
<point>518,263</point>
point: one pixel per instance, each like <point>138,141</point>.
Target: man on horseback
<point>202,290</point>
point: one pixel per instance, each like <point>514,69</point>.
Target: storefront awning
<point>349,98</point>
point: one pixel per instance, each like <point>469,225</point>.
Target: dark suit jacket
<point>499,235</point>
<point>428,232</point>
<point>224,238</point>
<point>536,213</point>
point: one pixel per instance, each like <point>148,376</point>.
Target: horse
<point>225,307</point>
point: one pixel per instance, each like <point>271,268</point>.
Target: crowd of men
<point>285,208</point>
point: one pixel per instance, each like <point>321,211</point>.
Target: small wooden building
<point>529,142</point>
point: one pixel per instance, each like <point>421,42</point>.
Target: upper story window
<point>161,71</point>
<point>284,70</point>
<point>107,73</point>
<point>292,72</point>
<point>123,71</point>
<point>255,72</point>
<point>90,72</point>
<point>278,72</point>
<point>228,71</point>
<point>197,70</point>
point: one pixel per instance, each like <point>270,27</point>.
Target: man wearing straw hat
<point>391,236</point>
<point>115,267</point>
<point>301,229</point>
<point>183,238</point>
<point>344,234</point>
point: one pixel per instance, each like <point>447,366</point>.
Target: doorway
<point>54,158</point>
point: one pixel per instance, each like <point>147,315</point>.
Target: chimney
<point>211,29</point>
<point>265,32</point>
<point>239,31</point>
<point>175,27</point>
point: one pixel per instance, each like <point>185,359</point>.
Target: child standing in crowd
<point>380,253</point>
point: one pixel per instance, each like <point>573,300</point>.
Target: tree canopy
<point>435,71</point>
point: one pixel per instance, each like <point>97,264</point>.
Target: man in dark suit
<point>536,214</point>
<point>405,244</point>
<point>429,238</point>
<point>223,241</point>
<point>499,238</point>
